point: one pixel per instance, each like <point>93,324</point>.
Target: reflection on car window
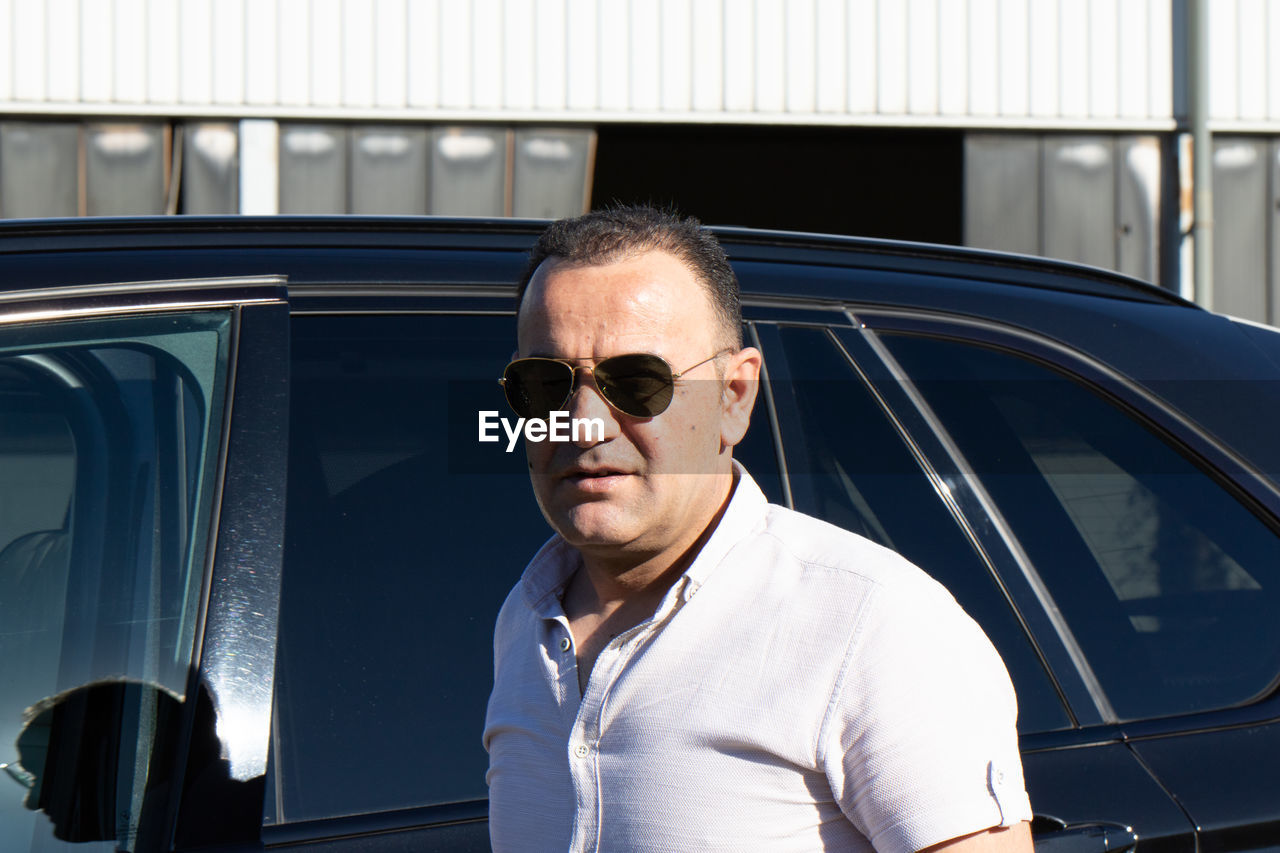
<point>861,476</point>
<point>404,535</point>
<point>1170,585</point>
<point>109,431</point>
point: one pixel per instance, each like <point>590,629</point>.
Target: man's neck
<point>609,580</point>
<point>605,598</point>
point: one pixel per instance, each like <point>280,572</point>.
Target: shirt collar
<point>543,581</point>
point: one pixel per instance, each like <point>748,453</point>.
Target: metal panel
<point>953,60</point>
<point>1002,192</point>
<point>891,74</point>
<point>423,30</point>
<point>163,60</point>
<point>125,169</point>
<point>469,172</point>
<point>1073,52</point>
<point>358,54</point>
<point>96,61</point>
<point>739,58</point>
<point>389,170</point>
<point>1139,204</point>
<point>325,76</point>
<point>486,55</point>
<point>1239,227</point>
<point>984,71</point>
<point>1042,45</point>
<point>1132,34</point>
<point>645,70</point>
<point>551,173</point>
<point>261,71</point>
<point>313,169</point>
<point>293,54</point>
<point>129,31</point>
<point>830,56</point>
<point>27,50</point>
<point>39,169</point>
<point>768,55</point>
<point>922,59</point>
<point>675,54</point>
<point>1059,61</point>
<point>210,168</point>
<point>613,54</point>
<point>1104,77</point>
<point>1251,58</point>
<point>582,56</point>
<point>1079,199</point>
<point>518,55</point>
<point>195,24</point>
<point>1014,59</point>
<point>1273,220</point>
<point>259,167</point>
<point>6,39</point>
<point>391,49</point>
<point>63,55</point>
<point>1223,68</point>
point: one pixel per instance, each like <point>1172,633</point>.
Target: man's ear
<point>741,382</point>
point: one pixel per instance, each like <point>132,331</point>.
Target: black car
<point>251,548</point>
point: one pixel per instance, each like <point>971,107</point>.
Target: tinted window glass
<point>109,430</point>
<point>1170,585</point>
<point>857,473</point>
<point>404,535</point>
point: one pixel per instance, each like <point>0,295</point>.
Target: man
<point>684,666</point>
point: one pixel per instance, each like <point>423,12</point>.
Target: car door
<point>865,451</point>
<point>141,513</point>
<point>1152,548</point>
<point>405,534</point>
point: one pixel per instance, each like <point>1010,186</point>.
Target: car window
<point>854,470</point>
<point>404,535</point>
<point>109,436</point>
<point>1169,583</point>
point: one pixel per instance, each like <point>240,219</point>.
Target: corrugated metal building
<point>1049,126</point>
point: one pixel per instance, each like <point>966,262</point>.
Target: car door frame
<point>236,618</point>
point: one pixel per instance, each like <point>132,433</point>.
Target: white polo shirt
<point>799,688</point>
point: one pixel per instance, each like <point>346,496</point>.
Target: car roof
<point>90,234</point>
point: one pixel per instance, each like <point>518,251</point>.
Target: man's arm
<point>999,839</point>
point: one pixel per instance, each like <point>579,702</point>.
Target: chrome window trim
<point>969,502</point>
<point>45,304</point>
<point>784,475</point>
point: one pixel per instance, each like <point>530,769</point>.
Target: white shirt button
<point>582,750</point>
<point>564,644</point>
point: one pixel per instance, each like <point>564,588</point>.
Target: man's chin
<point>595,525</point>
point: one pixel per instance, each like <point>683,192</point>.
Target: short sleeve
<point>920,742</point>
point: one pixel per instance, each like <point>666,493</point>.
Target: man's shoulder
<point>818,545</point>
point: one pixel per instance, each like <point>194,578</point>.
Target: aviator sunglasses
<point>637,384</point>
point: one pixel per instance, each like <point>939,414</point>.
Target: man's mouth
<point>594,477</point>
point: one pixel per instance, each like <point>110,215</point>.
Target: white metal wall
<point>1036,63</point>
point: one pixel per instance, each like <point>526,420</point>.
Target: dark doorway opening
<point>901,184</point>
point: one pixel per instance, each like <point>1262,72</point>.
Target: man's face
<point>651,481</point>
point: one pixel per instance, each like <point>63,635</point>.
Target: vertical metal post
<point>1197,32</point>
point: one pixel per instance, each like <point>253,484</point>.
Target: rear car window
<point>1169,583</point>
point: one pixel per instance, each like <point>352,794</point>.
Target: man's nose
<point>585,403</point>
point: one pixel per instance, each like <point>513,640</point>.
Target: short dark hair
<point>605,236</point>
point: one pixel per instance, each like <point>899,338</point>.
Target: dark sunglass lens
<point>537,387</point>
<point>639,385</point>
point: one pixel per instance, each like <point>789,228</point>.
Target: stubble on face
<point>652,485</point>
